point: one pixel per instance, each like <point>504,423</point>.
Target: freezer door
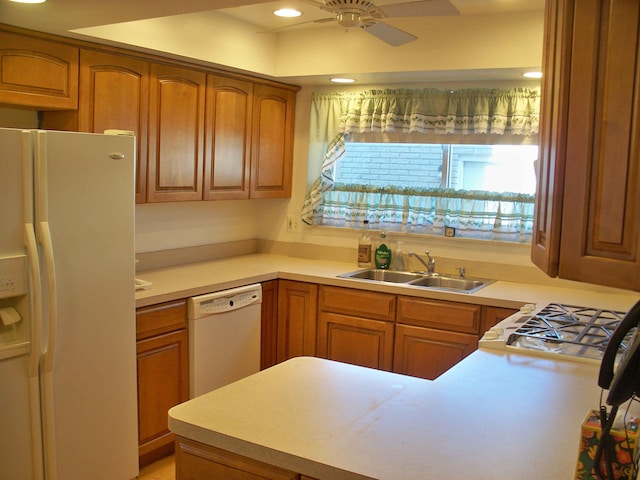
<point>21,455</point>
<point>85,219</point>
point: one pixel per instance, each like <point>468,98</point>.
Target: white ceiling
<point>231,33</point>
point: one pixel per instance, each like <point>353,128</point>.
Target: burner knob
<point>528,308</point>
<point>493,333</point>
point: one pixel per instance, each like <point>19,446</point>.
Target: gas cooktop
<point>568,330</point>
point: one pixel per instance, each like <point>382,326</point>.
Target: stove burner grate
<point>568,329</point>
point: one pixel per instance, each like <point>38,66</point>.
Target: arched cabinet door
<point>227,169</point>
<point>176,134</point>
<point>272,141</point>
<point>38,73</point>
<point>114,95</point>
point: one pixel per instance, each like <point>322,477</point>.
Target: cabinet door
<point>601,221</point>
<point>38,73</point>
<point>269,324</point>
<point>588,201</point>
<point>428,353</point>
<point>228,138</point>
<point>163,376</point>
<point>176,134</point>
<point>114,95</point>
<point>545,248</point>
<point>494,315</point>
<point>297,311</point>
<point>272,142</point>
<point>355,340</point>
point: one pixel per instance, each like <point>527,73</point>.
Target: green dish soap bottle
<point>383,253</point>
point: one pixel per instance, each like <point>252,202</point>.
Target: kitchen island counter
<point>496,415</point>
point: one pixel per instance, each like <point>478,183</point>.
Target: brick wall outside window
<point>397,164</point>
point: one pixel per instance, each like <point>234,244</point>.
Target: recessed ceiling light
<point>287,12</point>
<point>342,80</point>
<point>29,1</point>
<point>532,74</point>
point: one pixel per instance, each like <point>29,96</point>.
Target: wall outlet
<point>292,224</point>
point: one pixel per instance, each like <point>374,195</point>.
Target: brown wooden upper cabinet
<point>272,141</point>
<point>176,134</point>
<point>249,139</point>
<point>588,200</point>
<point>228,138</point>
<point>242,148</point>
<point>38,73</point>
<point>114,95</point>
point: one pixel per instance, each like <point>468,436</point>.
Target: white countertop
<point>495,415</point>
<point>192,279</point>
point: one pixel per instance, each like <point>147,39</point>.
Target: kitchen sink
<point>450,283</point>
<point>380,275</point>
<point>417,279</point>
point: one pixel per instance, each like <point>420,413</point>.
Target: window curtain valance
<point>463,112</point>
<point>443,112</point>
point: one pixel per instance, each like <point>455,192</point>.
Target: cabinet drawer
<point>451,316</point>
<point>161,318</point>
<point>360,303</point>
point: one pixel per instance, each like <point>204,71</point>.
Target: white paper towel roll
<point>9,316</point>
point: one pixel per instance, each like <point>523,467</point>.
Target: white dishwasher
<point>224,337</point>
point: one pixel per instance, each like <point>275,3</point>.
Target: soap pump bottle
<point>364,247</point>
<point>398,258</point>
<point>383,254</point>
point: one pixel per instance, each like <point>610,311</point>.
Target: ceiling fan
<point>365,14</point>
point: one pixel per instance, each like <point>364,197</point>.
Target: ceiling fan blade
<point>420,8</point>
<point>388,34</point>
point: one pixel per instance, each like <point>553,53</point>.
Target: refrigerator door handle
<point>52,299</point>
<point>35,325</point>
<point>47,362</point>
<point>48,355</point>
<point>36,350</point>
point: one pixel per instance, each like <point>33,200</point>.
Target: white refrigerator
<point>68,399</point>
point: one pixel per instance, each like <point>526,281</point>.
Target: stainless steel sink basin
<point>383,275</point>
<point>433,281</point>
<point>450,283</point>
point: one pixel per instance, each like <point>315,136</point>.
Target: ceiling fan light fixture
<point>348,19</point>
<point>287,12</point>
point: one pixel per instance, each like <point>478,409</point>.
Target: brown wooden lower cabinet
<point>163,374</point>
<point>433,335</point>
<point>428,353</point>
<point>356,340</point>
<point>269,324</point>
<point>297,319</point>
<point>197,461</point>
<point>494,315</point>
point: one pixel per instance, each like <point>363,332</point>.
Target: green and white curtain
<point>335,116</point>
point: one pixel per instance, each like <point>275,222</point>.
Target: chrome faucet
<point>429,265</point>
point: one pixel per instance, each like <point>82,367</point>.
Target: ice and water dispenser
<point>14,306</point>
